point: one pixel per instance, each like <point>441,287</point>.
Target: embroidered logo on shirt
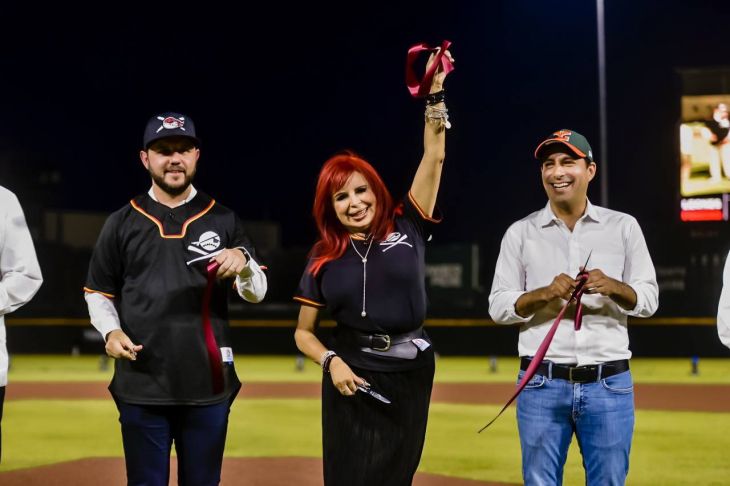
<point>170,123</point>
<point>394,239</point>
<point>206,245</point>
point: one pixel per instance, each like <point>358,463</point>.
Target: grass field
<point>669,447</point>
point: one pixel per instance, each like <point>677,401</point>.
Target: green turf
<point>37,432</point>
<point>448,369</point>
<point>669,448</point>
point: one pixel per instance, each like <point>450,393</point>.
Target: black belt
<point>579,374</point>
<point>383,342</point>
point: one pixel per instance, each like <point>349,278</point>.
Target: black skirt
<point>368,442</point>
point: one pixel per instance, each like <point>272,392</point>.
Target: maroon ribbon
<point>542,350</point>
<point>419,89</point>
<point>214,352</point>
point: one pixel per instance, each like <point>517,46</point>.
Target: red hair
<point>333,236</point>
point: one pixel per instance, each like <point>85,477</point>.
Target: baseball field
<point>60,425</point>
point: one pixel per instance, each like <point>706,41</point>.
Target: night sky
<point>275,89</point>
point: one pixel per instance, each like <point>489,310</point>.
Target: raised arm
<point>428,176</point>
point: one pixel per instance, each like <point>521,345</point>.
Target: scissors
<point>578,293</point>
<point>372,393</point>
<point>582,276</point>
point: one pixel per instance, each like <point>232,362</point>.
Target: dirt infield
<point>268,471</point>
<point>698,398</point>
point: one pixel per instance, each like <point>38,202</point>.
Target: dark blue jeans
<point>199,434</point>
<point>600,414</point>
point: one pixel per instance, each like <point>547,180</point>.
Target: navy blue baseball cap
<point>169,124</point>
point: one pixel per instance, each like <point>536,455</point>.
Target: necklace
<point>364,270</point>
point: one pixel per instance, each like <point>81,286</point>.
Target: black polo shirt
<point>395,290</point>
<point>151,259</point>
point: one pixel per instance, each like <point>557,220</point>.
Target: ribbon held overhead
<point>542,350</point>
<point>419,89</point>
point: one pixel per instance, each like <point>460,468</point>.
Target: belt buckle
<point>385,338</point>
<point>578,370</point>
<point>581,372</point>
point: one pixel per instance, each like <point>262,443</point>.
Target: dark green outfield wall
<point>655,337</point>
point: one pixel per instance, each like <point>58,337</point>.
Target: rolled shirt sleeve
<point>723,308</point>
<point>509,280</point>
<point>251,283</point>
<point>104,316</point>
<point>639,273</point>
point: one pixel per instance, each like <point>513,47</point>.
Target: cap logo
<point>170,123</point>
<point>563,135</point>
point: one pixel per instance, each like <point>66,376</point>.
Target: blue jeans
<point>601,414</point>
<point>199,433</point>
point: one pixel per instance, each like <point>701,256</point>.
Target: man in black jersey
<point>165,318</point>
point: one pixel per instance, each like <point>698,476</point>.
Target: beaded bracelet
<point>437,97</point>
<point>326,360</point>
<point>438,114</point>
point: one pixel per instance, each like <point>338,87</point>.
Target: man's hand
<point>600,283</point>
<point>118,345</point>
<point>561,287</point>
<point>231,260</point>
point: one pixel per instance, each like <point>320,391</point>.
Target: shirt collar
<point>193,193</point>
<point>547,216</point>
<point>592,212</point>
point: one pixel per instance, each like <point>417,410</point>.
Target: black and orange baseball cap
<point>574,141</point>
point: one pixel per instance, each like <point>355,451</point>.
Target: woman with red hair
<point>368,270</point>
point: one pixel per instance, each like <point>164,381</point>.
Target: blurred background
<point>276,89</point>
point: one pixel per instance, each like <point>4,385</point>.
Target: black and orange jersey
<point>151,260</point>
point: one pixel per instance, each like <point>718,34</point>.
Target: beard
<point>176,190</point>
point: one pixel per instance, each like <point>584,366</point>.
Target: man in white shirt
<point>20,274</point>
<point>164,318</point>
<point>584,385</point>
<point>723,308</point>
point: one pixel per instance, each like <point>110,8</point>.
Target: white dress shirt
<point>251,285</point>
<point>723,308</point>
<point>20,274</point>
<point>539,247</point>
